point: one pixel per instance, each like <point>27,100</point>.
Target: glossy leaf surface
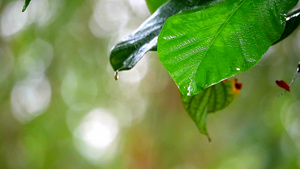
<point>25,5</point>
<point>292,22</point>
<point>212,99</point>
<point>127,53</point>
<point>206,45</point>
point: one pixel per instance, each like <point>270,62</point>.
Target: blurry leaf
<point>127,53</point>
<point>212,99</point>
<point>283,85</point>
<point>153,5</point>
<point>203,46</point>
<point>26,5</point>
<point>292,22</point>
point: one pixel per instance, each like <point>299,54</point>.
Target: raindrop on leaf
<point>117,75</point>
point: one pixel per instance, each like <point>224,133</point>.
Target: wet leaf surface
<point>203,46</point>
<point>127,53</point>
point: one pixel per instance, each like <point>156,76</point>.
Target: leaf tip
<point>209,139</point>
<point>25,6</point>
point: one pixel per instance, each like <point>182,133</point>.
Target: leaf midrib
<point>218,33</point>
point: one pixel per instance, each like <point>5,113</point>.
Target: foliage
<point>127,53</point>
<point>58,43</point>
<point>212,99</point>
<point>25,5</point>
<point>199,51</point>
<point>207,41</point>
<point>293,21</point>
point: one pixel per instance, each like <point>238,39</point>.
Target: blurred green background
<point>60,106</point>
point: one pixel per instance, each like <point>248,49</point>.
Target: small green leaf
<point>203,46</point>
<point>212,99</point>
<point>25,5</point>
<point>153,5</point>
<point>127,53</point>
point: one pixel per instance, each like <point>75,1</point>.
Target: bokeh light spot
<point>12,19</point>
<point>96,134</point>
<point>30,98</point>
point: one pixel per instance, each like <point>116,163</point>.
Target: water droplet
<point>189,90</point>
<point>116,75</point>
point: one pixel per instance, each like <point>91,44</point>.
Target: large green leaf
<point>153,5</point>
<point>25,5</point>
<point>206,45</point>
<point>212,99</point>
<point>127,53</point>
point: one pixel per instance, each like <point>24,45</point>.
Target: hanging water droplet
<point>116,75</point>
<point>209,139</point>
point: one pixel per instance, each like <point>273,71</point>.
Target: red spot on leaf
<point>283,84</point>
<point>238,85</point>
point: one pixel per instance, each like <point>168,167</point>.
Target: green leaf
<point>292,22</point>
<point>153,5</point>
<point>25,5</point>
<point>127,53</point>
<point>212,99</point>
<point>206,45</point>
